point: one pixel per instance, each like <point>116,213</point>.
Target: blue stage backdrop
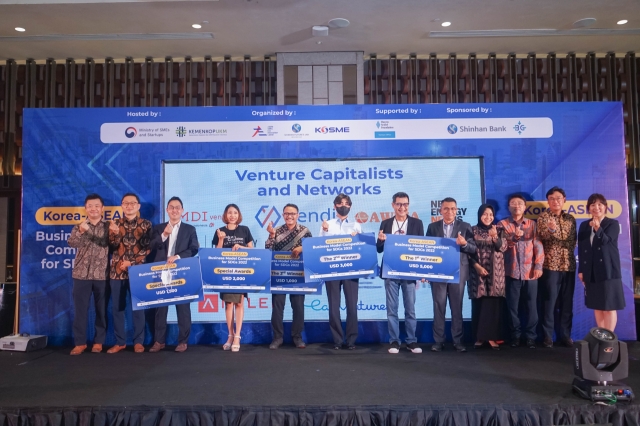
<point>251,156</point>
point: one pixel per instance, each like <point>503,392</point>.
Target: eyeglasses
<point>174,208</point>
<point>399,205</point>
<point>556,199</point>
<point>289,214</point>
<point>129,204</point>
<point>516,205</point>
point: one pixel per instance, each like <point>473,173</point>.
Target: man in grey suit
<point>449,227</point>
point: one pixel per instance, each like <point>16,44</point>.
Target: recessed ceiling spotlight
<point>339,23</point>
<point>196,26</point>
<point>20,29</point>
<point>583,23</point>
<point>318,42</point>
<point>446,24</point>
<point>624,21</point>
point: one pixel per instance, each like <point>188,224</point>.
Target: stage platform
<point>206,386</point>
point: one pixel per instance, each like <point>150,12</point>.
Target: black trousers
<point>455,293</point>
<point>556,302</point>
<point>529,290</point>
<point>277,315</point>
<point>350,288</point>
<point>119,290</point>
<point>82,291</point>
<point>183,311</point>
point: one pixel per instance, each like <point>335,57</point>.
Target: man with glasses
<point>449,227</point>
<point>171,241</point>
<point>400,224</point>
<point>523,262</point>
<point>90,274</point>
<point>287,237</point>
<point>342,225</point>
<point>129,237</point>
<point>557,231</point>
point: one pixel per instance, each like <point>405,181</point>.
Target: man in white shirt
<point>342,225</point>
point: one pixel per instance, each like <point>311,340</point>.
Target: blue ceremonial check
<point>164,284</point>
<point>416,257</point>
<point>339,257</point>
<point>287,276</point>
<point>227,271</point>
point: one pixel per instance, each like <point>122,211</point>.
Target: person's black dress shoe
<point>459,347</point>
<point>437,347</point>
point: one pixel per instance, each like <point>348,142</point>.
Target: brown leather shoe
<point>115,349</point>
<point>78,350</point>
<point>157,347</point>
<point>181,347</point>
<point>138,348</point>
<point>97,348</point>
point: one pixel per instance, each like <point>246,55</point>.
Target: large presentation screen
<point>262,188</point>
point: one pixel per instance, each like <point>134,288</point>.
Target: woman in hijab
<point>487,283</point>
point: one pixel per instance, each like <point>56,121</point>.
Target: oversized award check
<point>416,257</point>
<point>227,271</point>
<point>163,284</point>
<point>339,257</point>
<point>287,275</point>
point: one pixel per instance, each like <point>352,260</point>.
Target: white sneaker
<point>395,348</point>
<point>413,347</point>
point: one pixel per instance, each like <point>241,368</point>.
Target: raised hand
<point>84,226</point>
<point>519,232</point>
<point>460,240</point>
<point>381,235</point>
<point>168,229</point>
<point>594,223</point>
<point>221,234</point>
<point>270,230</point>
<point>551,224</point>
<point>493,232</point>
<point>325,225</point>
<point>113,227</point>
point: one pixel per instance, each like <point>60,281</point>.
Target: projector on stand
<point>23,342</point>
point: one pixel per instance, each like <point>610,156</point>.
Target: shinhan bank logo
<point>296,128</point>
<point>453,129</point>
<point>181,131</point>
<point>519,128</point>
<point>267,214</point>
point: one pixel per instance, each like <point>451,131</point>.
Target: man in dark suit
<point>401,224</point>
<point>449,227</point>
<point>171,241</point>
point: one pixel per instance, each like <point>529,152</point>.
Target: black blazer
<point>414,227</point>
<point>186,243</point>
<point>602,257</point>
<point>436,229</point>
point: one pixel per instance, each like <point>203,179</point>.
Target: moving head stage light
<point>600,360</point>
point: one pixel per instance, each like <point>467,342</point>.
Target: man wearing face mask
<point>342,225</point>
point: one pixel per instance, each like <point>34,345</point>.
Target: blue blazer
<point>602,257</point>
<point>186,243</point>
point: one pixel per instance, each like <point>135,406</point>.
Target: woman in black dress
<point>487,283</point>
<point>599,263</point>
<point>235,237</point>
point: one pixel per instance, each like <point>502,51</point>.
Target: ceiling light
<point>320,31</point>
<point>20,29</point>
<point>196,26</point>
<point>624,21</point>
<point>339,23</point>
<point>446,24</point>
<point>584,23</point>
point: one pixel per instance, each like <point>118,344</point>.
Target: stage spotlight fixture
<point>20,29</point>
<point>600,360</point>
<point>622,22</point>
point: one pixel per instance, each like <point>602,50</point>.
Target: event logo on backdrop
<point>264,157</point>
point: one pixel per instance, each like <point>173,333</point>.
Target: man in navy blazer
<point>449,227</point>
<point>401,224</point>
<point>171,241</point>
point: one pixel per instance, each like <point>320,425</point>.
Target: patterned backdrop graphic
<point>524,148</point>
